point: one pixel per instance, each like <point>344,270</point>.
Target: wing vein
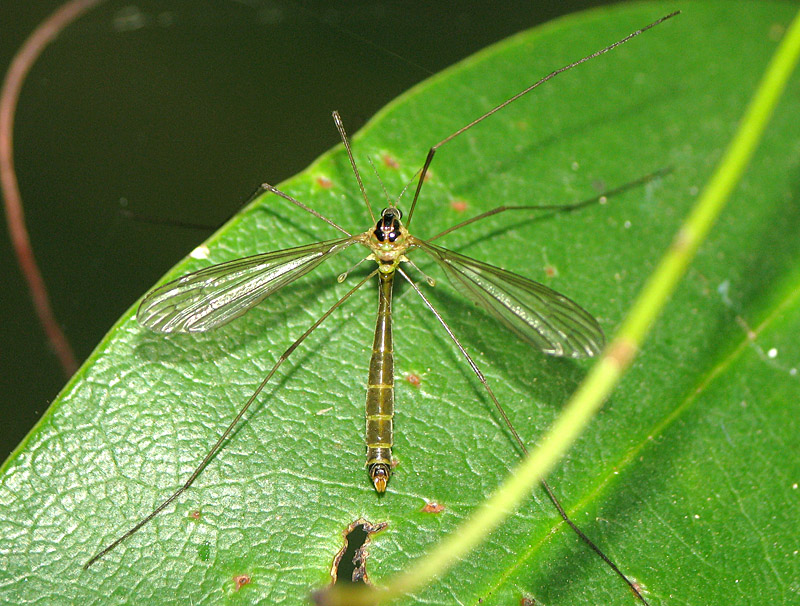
<point>537,314</point>
<point>215,295</point>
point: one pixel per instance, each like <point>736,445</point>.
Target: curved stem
<point>15,216</point>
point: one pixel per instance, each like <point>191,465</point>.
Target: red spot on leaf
<point>414,379</point>
<point>432,507</point>
<point>459,206</point>
<point>240,580</point>
<point>636,589</point>
<point>324,182</point>
<point>390,161</point>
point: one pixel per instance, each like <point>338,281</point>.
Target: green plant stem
<point>604,375</point>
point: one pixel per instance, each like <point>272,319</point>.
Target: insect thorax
<point>388,240</point>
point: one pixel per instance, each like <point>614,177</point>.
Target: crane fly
<point>547,320</point>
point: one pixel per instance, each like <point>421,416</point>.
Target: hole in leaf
<point>350,564</point>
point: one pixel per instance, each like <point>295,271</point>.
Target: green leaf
<point>687,479</point>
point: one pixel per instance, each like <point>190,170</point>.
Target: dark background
<point>178,110</point>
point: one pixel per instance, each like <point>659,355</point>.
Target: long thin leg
<point>556,207</point>
<point>340,127</point>
<point>519,441</point>
<point>151,220</point>
<point>549,76</point>
<point>265,187</point>
<point>226,433</point>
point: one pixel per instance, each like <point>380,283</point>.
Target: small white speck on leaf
<point>201,252</point>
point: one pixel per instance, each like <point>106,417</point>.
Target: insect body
<point>578,333</point>
<point>388,242</point>
<point>213,296</point>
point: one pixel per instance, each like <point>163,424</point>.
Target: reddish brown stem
<point>15,216</point>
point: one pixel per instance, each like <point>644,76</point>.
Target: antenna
<point>383,187</point>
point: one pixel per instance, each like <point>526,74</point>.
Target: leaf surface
<point>688,478</point>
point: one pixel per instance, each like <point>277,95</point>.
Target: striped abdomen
<point>380,390</point>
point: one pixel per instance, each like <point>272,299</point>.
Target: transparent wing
<point>215,295</point>
<point>539,315</point>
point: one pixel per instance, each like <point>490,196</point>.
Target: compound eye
<point>391,210</point>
